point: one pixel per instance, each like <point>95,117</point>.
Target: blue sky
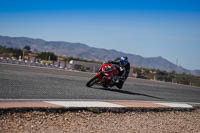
<point>167,28</point>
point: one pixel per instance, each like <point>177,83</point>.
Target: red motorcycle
<point>107,76</point>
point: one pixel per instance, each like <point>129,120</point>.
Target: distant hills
<point>85,51</point>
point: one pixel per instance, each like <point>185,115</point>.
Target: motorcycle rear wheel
<point>92,81</point>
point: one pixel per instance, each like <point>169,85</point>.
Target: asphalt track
<point>22,82</point>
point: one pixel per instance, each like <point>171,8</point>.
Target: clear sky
<point>150,28</point>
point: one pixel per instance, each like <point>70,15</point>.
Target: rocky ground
<point>107,122</point>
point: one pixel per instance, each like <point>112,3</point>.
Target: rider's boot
<point>105,85</point>
<point>120,84</point>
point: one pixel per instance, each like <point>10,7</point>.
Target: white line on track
<point>174,105</point>
<point>83,104</point>
<point>100,100</point>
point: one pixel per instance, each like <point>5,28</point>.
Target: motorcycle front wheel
<point>92,81</point>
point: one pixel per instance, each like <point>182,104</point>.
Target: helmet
<point>123,60</point>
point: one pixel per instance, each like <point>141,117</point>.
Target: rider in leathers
<point>123,66</point>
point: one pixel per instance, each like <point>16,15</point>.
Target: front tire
<point>91,82</point>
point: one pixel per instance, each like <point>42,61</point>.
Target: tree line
<point>174,77</point>
<point>17,52</point>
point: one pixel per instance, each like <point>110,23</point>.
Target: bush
<point>47,56</point>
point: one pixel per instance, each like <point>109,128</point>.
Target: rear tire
<point>91,82</point>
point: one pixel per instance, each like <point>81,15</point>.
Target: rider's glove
<point>121,69</point>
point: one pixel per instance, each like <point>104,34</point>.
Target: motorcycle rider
<point>123,66</point>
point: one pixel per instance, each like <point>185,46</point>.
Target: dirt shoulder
<point>85,121</point>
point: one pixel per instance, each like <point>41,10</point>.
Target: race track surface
<point>22,82</point>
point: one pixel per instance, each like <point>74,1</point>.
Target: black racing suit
<point>123,72</point>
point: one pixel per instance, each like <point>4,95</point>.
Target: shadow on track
<point>126,92</point>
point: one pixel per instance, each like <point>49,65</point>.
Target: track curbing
<point>99,106</point>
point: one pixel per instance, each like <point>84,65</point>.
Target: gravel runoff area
<point>105,122</point>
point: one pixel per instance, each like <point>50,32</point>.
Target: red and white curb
<point>95,104</point>
<point>117,104</point>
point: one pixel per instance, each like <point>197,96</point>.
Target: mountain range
<point>85,51</point>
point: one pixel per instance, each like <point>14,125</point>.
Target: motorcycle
<point>106,76</point>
